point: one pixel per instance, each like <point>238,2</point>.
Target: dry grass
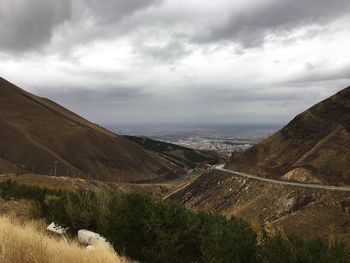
<point>20,208</point>
<point>28,243</point>
<point>156,190</point>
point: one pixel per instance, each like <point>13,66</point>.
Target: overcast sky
<point>115,61</point>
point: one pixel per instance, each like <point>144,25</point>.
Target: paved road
<point>317,186</point>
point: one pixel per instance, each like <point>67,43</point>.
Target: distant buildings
<point>215,144</point>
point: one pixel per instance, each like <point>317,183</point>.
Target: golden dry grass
<point>29,243</point>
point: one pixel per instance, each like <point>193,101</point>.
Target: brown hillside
<point>301,211</point>
<point>182,156</point>
<point>316,142</point>
<point>35,132</point>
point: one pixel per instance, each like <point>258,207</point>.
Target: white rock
<point>88,237</point>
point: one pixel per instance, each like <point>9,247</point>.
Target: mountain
<point>35,133</point>
<point>313,147</point>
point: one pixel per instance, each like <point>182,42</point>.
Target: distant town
<point>225,145</point>
<point>224,138</point>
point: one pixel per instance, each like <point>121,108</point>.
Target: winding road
<point>315,186</point>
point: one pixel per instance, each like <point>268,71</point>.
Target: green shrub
<point>81,209</point>
<point>275,249</point>
<point>175,233</point>
<point>226,240</point>
<point>53,208</point>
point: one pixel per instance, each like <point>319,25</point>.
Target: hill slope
<point>306,212</point>
<point>314,146</point>
<point>182,156</point>
<point>35,132</point>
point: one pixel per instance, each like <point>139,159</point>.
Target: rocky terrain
<point>301,211</point>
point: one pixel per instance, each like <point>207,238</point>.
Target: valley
<point>289,182</point>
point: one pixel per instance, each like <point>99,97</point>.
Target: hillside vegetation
<point>158,231</point>
<point>180,155</point>
<point>314,146</point>
<point>29,243</point>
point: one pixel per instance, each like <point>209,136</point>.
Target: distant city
<point>210,136</point>
<point>214,143</point>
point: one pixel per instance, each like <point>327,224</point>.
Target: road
<point>177,190</point>
<point>190,178</point>
<point>315,186</point>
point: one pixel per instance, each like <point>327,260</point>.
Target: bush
<point>11,189</point>
<point>81,209</point>
<point>290,249</point>
<point>275,249</point>
<point>48,203</point>
<point>53,208</point>
<point>226,240</point>
<point>152,231</point>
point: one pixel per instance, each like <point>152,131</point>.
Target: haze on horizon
<point>118,61</point>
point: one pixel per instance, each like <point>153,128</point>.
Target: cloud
<point>245,93</point>
<point>165,60</point>
<point>322,74</point>
<point>32,25</point>
<point>115,10</point>
<point>252,27</point>
<point>86,95</point>
<point>29,25</point>
<point>168,49</point>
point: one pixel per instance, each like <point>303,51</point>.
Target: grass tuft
<point>29,243</point>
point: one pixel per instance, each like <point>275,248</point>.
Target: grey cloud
<point>26,25</point>
<point>29,25</point>
<point>316,74</point>
<point>158,36</point>
<point>113,104</point>
<point>115,10</point>
<point>104,94</point>
<point>217,93</point>
<point>278,17</point>
<point>171,51</point>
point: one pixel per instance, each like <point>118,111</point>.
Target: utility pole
<point>89,181</point>
<point>55,167</point>
<point>14,169</point>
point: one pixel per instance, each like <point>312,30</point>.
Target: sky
<point>191,61</point>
